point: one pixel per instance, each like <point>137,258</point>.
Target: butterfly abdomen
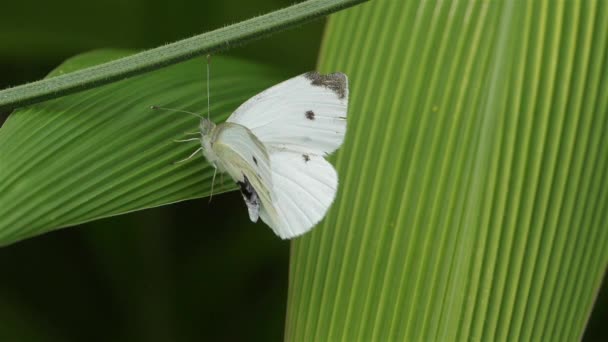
<point>251,198</point>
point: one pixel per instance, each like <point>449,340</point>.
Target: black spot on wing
<point>310,115</point>
<point>255,160</point>
<point>306,158</point>
<point>336,82</point>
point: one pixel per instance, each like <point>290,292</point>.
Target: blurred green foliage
<point>159,274</point>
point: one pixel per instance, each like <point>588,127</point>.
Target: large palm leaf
<point>473,178</point>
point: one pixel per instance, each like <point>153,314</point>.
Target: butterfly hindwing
<point>290,191</point>
<point>304,186</point>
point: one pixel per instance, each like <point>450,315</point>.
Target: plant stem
<point>179,51</point>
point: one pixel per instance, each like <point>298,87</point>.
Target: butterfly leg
<point>192,155</point>
<point>186,140</point>
<point>212,182</point>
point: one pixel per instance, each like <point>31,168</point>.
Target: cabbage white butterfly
<point>273,146</point>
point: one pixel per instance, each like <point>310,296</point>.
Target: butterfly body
<point>273,146</point>
<point>209,132</point>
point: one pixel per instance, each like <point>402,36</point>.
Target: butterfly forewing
<point>305,114</point>
<point>246,160</point>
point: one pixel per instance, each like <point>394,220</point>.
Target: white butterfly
<point>274,145</point>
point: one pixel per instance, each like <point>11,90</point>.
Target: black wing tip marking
<point>336,82</point>
<point>306,158</point>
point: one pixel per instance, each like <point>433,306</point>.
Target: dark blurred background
<point>189,271</point>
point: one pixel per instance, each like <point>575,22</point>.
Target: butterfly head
<point>206,126</point>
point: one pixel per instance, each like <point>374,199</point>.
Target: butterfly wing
<point>298,121</point>
<point>246,160</point>
<point>305,114</point>
<point>290,191</point>
<point>304,186</point>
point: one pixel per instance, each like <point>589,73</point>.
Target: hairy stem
<point>159,57</point>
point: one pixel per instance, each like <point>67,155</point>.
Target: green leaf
<point>473,197</point>
<point>104,152</point>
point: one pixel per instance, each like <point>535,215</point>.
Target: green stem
<point>159,57</point>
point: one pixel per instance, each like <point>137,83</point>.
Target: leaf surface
<point>104,152</point>
<point>473,189</point>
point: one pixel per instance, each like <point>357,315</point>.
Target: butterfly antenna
<point>176,110</point>
<point>208,91</point>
